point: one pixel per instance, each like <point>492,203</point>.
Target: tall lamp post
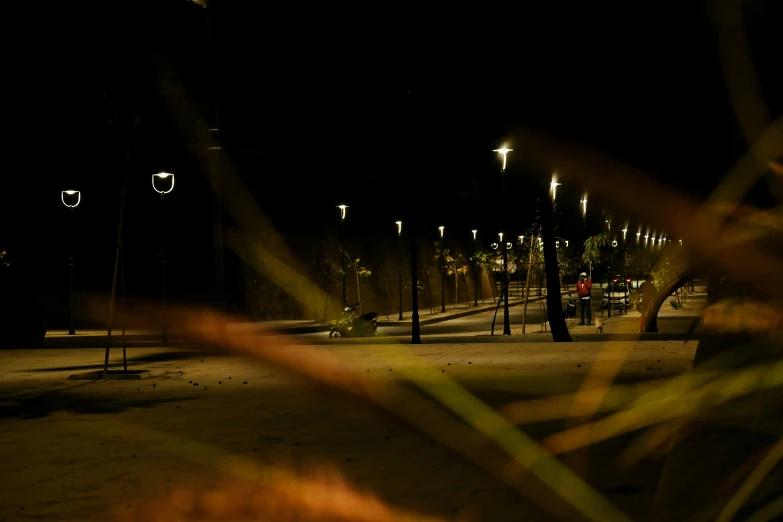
<point>399,271</point>
<point>477,273</point>
<point>442,275</point>
<point>163,183</point>
<point>503,151</point>
<point>71,199</point>
<point>343,211</point>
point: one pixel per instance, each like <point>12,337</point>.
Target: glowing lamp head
<point>494,246</point>
<point>71,198</point>
<point>441,231</point>
<point>342,211</point>
<point>474,234</point>
<point>503,151</point>
<point>399,227</point>
<point>614,243</point>
<point>160,182</point>
<point>500,234</point>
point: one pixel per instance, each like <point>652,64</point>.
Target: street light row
<point>75,197</point>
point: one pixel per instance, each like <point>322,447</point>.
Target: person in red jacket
<point>583,287</point>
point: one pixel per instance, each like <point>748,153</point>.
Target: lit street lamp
<point>624,232</point>
<point>442,274</point>
<point>342,239</point>
<point>163,183</point>
<point>554,185</point>
<point>399,250</point>
<point>477,273</point>
<point>71,199</point>
<point>503,151</point>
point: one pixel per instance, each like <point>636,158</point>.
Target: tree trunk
<point>557,323</point>
<point>527,284</point>
<point>456,289</point>
<point>358,290</point>
<point>651,318</point>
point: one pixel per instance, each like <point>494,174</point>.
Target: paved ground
<point>74,450</point>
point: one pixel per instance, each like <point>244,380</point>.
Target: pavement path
<point>73,450</point>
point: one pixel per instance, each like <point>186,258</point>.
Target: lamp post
<point>399,236</point>
<point>343,212</point>
<point>477,273</point>
<point>583,204</point>
<point>161,185</point>
<point>503,151</point>
<point>442,274</point>
<point>74,197</point>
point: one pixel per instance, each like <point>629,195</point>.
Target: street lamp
<point>442,274</point>
<point>399,249</point>
<point>624,231</point>
<point>477,272</point>
<point>554,185</point>
<point>503,151</point>
<point>341,240</point>
<point>163,183</point>
<point>71,199</point>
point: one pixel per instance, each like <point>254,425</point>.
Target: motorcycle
<point>571,307</point>
<point>347,326</point>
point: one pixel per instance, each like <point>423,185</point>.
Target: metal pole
<point>527,283</point>
<point>119,241</point>
<point>164,337</point>
<point>506,319</point>
<point>215,155</point>
<point>415,326</point>
<point>122,308</point>
<point>215,151</point>
<point>71,330</point>
<point>476,275</point>
<point>442,278</point>
<point>342,256</point>
<point>399,271</point>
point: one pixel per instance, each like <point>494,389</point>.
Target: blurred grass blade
<point>742,495</point>
<point>550,471</point>
<point>769,512</point>
<point>740,384</point>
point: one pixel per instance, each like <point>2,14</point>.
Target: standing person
<point>646,297</point>
<point>583,288</point>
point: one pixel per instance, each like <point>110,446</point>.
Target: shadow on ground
<point>44,405</point>
<point>155,357</point>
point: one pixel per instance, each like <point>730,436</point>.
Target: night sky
<point>316,110</point>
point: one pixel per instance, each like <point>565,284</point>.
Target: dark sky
<point>315,109</point>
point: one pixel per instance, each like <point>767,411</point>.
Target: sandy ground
<point>71,450</point>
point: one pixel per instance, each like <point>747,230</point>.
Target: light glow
<point>553,185</point>
<point>399,227</point>
<point>583,202</point>
<point>624,231</point>
<point>474,234</point>
<point>71,193</point>
<point>503,151</point>
<point>501,236</point>
<point>342,211</point>
<point>441,231</point>
<point>162,176</point>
